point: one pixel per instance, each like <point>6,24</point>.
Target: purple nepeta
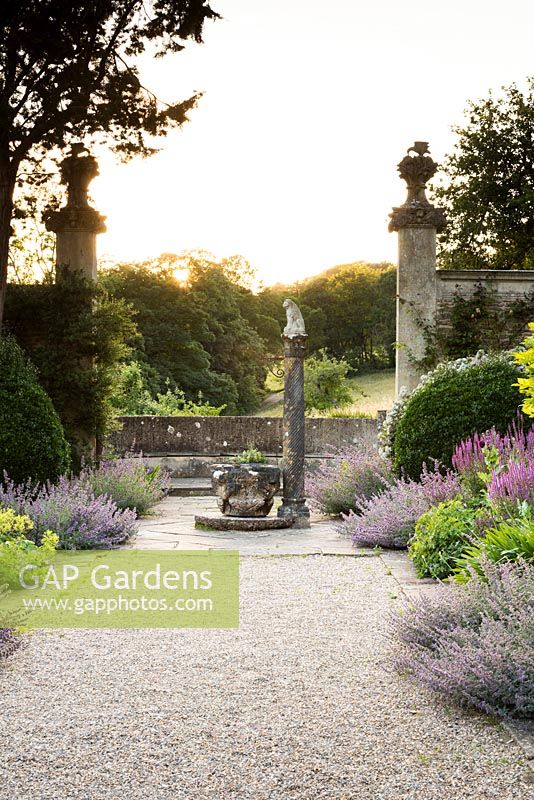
<point>71,510</point>
<point>388,519</point>
<point>9,642</point>
<point>130,482</point>
<point>339,482</point>
<point>473,642</point>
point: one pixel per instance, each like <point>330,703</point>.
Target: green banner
<point>127,589</point>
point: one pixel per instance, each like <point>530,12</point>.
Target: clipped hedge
<point>451,403</point>
<point>32,442</point>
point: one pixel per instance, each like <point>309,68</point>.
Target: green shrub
<point>451,403</point>
<point>526,384</point>
<point>16,550</point>
<point>510,540</point>
<point>133,398</point>
<point>250,456</point>
<point>441,535</point>
<point>32,442</point>
<point>325,382</point>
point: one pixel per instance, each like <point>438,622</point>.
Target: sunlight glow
<point>290,158</point>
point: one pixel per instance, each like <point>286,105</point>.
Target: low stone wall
<point>225,436</point>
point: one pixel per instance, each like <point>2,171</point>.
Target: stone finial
<point>295,322</point>
<point>417,211</point>
<point>77,171</point>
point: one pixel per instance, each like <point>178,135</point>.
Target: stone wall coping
<point>476,275</point>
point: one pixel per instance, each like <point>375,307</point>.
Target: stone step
<point>190,487</point>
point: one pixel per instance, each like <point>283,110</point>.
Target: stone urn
<point>245,490</point>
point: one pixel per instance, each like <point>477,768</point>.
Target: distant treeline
<point>203,329</point>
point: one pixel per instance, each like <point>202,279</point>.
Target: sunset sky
<point>290,158</point>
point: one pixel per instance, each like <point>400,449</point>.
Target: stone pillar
<point>417,222</point>
<point>295,341</point>
<point>77,224</point>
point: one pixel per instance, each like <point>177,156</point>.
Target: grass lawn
<point>378,394</point>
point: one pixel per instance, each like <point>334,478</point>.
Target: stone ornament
<point>245,490</point>
<point>295,322</point>
<point>77,172</point>
<point>417,211</point>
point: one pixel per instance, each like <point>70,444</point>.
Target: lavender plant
<point>130,482</point>
<point>388,518</point>
<point>473,643</point>
<point>351,476</point>
<point>10,640</point>
<point>71,510</point>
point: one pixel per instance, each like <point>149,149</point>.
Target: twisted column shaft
<point>294,501</point>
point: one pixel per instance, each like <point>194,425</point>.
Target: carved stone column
<point>417,221</point>
<point>295,347</point>
<point>77,224</point>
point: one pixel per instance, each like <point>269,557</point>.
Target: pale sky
<point>290,158</point>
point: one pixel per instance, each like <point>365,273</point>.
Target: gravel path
<point>296,705</point>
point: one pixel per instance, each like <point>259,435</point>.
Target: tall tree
<point>488,192</point>
<point>67,71</point>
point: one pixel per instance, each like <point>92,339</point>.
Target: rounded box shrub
<point>452,402</point>
<point>32,442</point>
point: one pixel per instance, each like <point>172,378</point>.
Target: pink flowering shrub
<point>470,456</point>
<point>513,486</point>
<point>474,642</point>
<point>388,518</point>
<point>351,476</point>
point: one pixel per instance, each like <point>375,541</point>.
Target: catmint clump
<point>473,643</point>
<point>130,482</point>
<point>72,511</point>
<point>388,518</point>
<point>350,477</point>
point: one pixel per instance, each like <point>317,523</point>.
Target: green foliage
<point>198,335</point>
<point>510,540</point>
<point>526,385</point>
<point>17,551</point>
<point>452,402</point>
<point>489,189</point>
<point>441,535</point>
<point>325,382</point>
<point>32,442</point>
<point>133,398</point>
<point>349,310</point>
<point>250,456</point>
<point>76,334</point>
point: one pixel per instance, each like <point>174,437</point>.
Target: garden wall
<point>506,288</point>
<point>188,445</point>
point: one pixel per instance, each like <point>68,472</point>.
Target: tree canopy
<point>68,71</point>
<point>488,190</point>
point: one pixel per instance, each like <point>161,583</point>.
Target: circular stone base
<point>222,523</point>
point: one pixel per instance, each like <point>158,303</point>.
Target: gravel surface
<point>296,705</point>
